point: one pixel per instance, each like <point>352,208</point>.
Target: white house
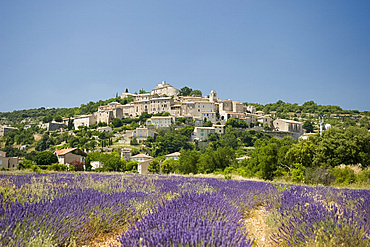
<point>96,164</point>
<point>160,121</point>
<point>143,133</point>
<point>202,133</point>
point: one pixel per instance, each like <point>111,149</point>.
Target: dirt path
<point>104,241</point>
<point>257,227</point>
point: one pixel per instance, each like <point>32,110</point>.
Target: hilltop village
<point>171,130</point>
<point>165,99</point>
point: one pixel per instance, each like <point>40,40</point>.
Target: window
<point>1,162</point>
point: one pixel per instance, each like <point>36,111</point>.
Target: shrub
<point>36,169</point>
<point>318,175</point>
<point>58,167</point>
<point>298,172</point>
<point>343,175</point>
<point>26,164</point>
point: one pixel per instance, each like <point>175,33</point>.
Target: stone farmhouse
<point>8,162</point>
<point>5,129</point>
<point>66,156</point>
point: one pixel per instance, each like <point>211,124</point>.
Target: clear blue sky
<point>66,53</point>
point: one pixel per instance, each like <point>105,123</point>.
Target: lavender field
<point>72,209</point>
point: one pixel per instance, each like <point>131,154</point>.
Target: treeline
<point>307,107</point>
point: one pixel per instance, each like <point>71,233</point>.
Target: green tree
<point>117,122</point>
<point>47,119</point>
<point>58,118</point>
<point>308,126</point>
<point>170,142</point>
<point>207,124</point>
<point>114,163</point>
<point>188,161</point>
<point>265,158</point>
<point>154,166</point>
<point>134,141</point>
<point>298,172</point>
<point>196,92</point>
<point>302,153</point>
<point>70,124</point>
<point>216,160</point>
<point>185,91</point>
<point>142,91</point>
<point>229,139</point>
<point>131,166</point>
<point>45,158</point>
<point>144,116</point>
<point>187,131</point>
<point>169,166</point>
<point>45,142</point>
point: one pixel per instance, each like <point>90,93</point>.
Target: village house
<point>106,129</point>
<point>128,110</point>
<point>107,113</point>
<point>202,133</point>
<point>236,115</point>
<point>238,107</point>
<point>126,154</point>
<point>142,167</point>
<point>160,105</point>
<point>289,126</point>
<point>143,162</point>
<point>5,129</point>
<point>52,126</point>
<point>66,156</point>
<point>143,133</point>
<point>125,95</point>
<point>141,157</point>
<point>265,120</point>
<point>160,121</point>
<point>251,109</point>
<point>8,162</point>
<point>251,118</point>
<point>219,129</point>
<point>85,120</point>
<point>209,116</point>
<point>142,103</point>
<point>165,89</point>
<point>225,106</point>
<point>175,109</point>
<point>96,164</point>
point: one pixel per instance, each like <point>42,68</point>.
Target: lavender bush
<point>65,209</point>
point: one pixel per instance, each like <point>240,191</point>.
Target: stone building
<point>8,162</point>
<point>165,89</point>
<point>66,156</point>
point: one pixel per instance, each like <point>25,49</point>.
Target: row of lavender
<point>65,209</point>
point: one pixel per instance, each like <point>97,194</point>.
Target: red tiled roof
<point>64,151</point>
